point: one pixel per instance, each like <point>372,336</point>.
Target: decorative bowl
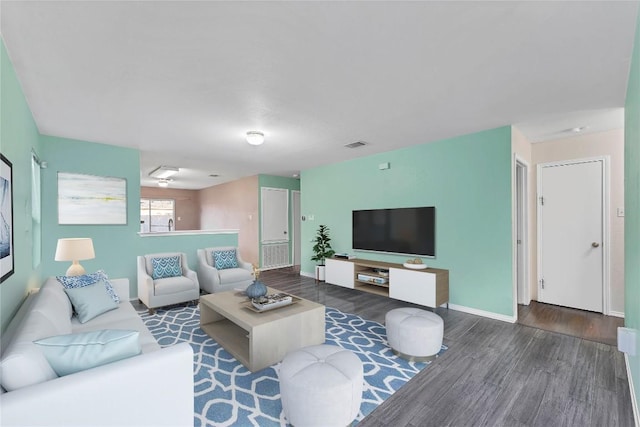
<point>415,266</point>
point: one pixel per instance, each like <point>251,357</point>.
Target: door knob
<point>595,244</point>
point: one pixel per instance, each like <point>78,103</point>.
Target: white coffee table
<point>259,340</point>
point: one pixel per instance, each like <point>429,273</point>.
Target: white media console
<point>428,287</point>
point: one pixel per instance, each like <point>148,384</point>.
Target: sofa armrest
<point>207,275</point>
<point>145,282</point>
<point>152,389</point>
<point>246,266</point>
<point>121,286</point>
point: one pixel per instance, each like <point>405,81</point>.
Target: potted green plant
<point>322,250</point>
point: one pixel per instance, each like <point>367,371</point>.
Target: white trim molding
<point>488,314</point>
<point>616,313</point>
<point>186,233</point>
<point>306,274</point>
<point>632,391</point>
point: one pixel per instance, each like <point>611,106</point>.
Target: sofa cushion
<point>166,267</point>
<point>23,363</point>
<point>54,304</point>
<point>231,275</point>
<point>225,259</point>
<point>91,301</point>
<point>88,279</point>
<point>72,353</point>
<point>172,285</point>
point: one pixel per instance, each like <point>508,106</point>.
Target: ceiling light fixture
<point>164,182</point>
<point>575,129</point>
<point>164,172</point>
<point>255,137</point>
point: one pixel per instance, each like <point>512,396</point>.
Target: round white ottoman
<point>413,333</point>
<point>321,385</point>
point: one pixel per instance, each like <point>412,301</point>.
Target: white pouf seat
<point>321,385</point>
<point>413,333</point>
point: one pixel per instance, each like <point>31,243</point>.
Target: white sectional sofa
<point>154,388</point>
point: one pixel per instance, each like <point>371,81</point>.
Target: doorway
<point>572,234</point>
<point>521,244</point>
<point>296,215</point>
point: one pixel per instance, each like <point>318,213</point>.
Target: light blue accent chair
<point>219,280</point>
<point>167,290</point>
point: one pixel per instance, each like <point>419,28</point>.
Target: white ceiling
<point>183,81</point>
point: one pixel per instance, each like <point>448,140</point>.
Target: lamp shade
<point>75,249</point>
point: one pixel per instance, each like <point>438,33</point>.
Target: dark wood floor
<point>578,323</point>
<point>494,373</point>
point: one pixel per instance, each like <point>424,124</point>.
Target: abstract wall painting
<point>6,219</point>
<point>91,199</point>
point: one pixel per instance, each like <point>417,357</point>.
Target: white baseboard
<point>617,313</point>
<point>632,392</point>
<point>489,314</point>
<point>305,274</point>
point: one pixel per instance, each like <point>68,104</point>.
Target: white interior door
<point>275,215</point>
<point>570,221</point>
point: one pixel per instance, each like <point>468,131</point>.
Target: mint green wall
<point>18,136</point>
<point>632,208</point>
<point>467,179</point>
<point>116,246</point>
<point>273,181</point>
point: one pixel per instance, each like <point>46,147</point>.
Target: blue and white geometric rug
<point>227,394</point>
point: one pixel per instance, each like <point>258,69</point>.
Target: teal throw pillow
<point>90,301</point>
<point>225,259</point>
<point>166,267</point>
<point>89,279</point>
<point>72,353</point>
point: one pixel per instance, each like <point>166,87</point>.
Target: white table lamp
<point>75,249</point>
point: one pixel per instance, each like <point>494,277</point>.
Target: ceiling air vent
<point>356,144</point>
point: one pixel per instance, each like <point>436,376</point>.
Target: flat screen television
<point>409,231</point>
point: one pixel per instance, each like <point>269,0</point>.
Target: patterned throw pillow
<point>166,267</point>
<point>70,282</point>
<point>225,259</point>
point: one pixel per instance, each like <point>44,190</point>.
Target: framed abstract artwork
<point>91,199</point>
<point>6,223</point>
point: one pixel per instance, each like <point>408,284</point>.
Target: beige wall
<point>186,201</point>
<point>610,143</point>
<point>233,205</point>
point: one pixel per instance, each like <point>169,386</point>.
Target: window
<point>157,215</point>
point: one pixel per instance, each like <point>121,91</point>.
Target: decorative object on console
<point>75,249</point>
<point>90,199</point>
<point>322,250</point>
<point>6,209</point>
<point>415,264</point>
<point>257,289</point>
